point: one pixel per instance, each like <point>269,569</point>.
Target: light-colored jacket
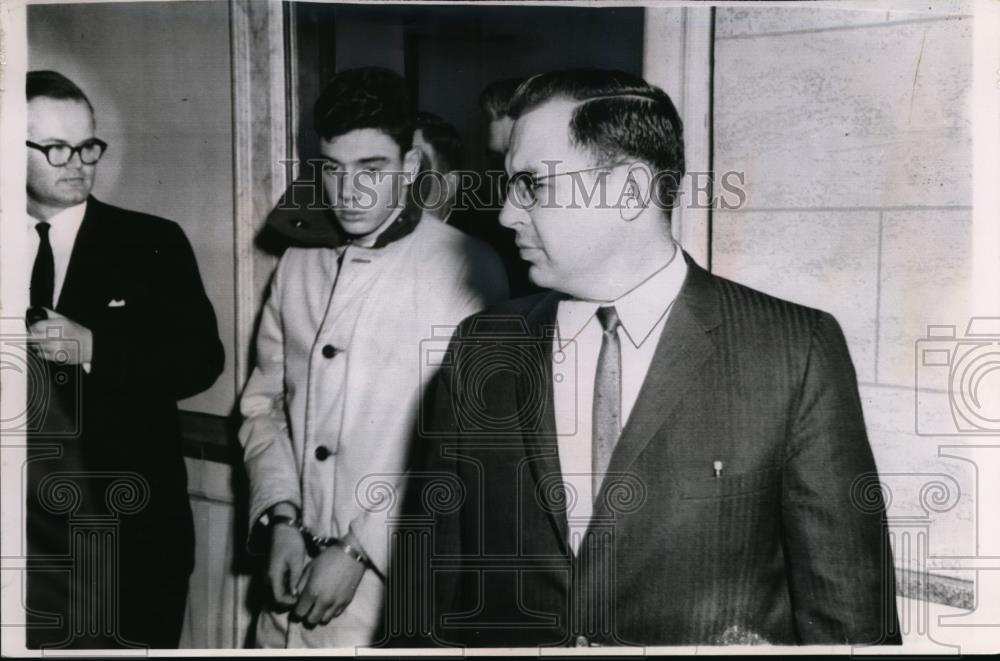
<point>329,431</point>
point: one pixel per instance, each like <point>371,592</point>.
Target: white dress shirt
<point>64,226</point>
<point>642,311</point>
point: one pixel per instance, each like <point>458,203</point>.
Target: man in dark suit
<point>649,454</point>
<point>122,329</point>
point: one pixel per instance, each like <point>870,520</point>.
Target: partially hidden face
<point>498,140</point>
<point>52,122</point>
<point>439,187</point>
<point>365,177</point>
<point>428,150</point>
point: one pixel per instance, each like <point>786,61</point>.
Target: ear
<point>636,193</point>
<point>411,164</point>
<point>451,186</point>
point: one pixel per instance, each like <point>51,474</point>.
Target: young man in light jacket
<point>331,406</point>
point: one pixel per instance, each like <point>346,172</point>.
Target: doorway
<point>448,54</point>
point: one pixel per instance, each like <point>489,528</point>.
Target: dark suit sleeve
<point>174,346</point>
<point>839,560</point>
<point>433,482</point>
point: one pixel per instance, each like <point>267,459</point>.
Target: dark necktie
<point>607,423</point>
<point>43,273</point>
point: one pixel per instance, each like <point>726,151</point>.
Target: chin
<point>542,278</point>
<point>73,200</point>
<point>358,225</point>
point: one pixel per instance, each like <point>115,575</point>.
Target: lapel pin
<point>717,468</point>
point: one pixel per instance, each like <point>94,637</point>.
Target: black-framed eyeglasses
<point>60,154</point>
<point>522,186</point>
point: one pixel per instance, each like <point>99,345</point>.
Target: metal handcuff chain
<point>316,544</point>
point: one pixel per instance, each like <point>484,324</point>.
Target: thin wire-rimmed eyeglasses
<point>522,186</point>
<point>59,154</point>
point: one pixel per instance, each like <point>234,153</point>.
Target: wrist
<point>284,508</point>
<point>352,551</point>
<point>284,515</point>
<point>352,539</point>
<point>276,522</point>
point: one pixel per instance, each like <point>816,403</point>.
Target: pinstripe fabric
<point>774,549</point>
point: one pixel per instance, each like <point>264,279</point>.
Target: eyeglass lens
<point>90,152</point>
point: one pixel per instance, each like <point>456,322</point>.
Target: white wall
<point>854,130</point>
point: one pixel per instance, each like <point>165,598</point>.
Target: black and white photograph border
<point>839,155</point>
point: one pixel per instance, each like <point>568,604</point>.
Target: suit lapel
<point>88,249</point>
<point>684,346</point>
<point>539,436</point>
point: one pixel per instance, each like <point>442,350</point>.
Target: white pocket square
<point>116,303</point>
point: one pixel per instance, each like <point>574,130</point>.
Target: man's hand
<point>60,339</point>
<point>288,554</point>
<point>327,586</point>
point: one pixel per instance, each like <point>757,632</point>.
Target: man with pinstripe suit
<point>647,454</point>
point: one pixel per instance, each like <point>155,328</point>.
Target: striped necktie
<point>607,421</point>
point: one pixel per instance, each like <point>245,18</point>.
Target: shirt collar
<point>64,226</point>
<point>639,309</point>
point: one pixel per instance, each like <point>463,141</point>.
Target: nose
<point>75,160</point>
<point>346,186</point>
<point>512,216</point>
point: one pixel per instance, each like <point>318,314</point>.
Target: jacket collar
<point>301,219</point>
<point>89,253</point>
<point>685,344</point>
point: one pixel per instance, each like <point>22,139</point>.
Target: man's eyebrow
<point>370,160</point>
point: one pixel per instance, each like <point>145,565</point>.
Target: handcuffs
<point>316,544</point>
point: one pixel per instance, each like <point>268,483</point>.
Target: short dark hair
<point>619,115</point>
<point>365,98</point>
<point>495,98</point>
<point>54,85</point>
<point>443,138</point>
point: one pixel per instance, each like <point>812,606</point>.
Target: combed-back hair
<point>54,85</point>
<point>443,138</point>
<point>619,116</point>
<point>495,97</point>
<point>365,98</point>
